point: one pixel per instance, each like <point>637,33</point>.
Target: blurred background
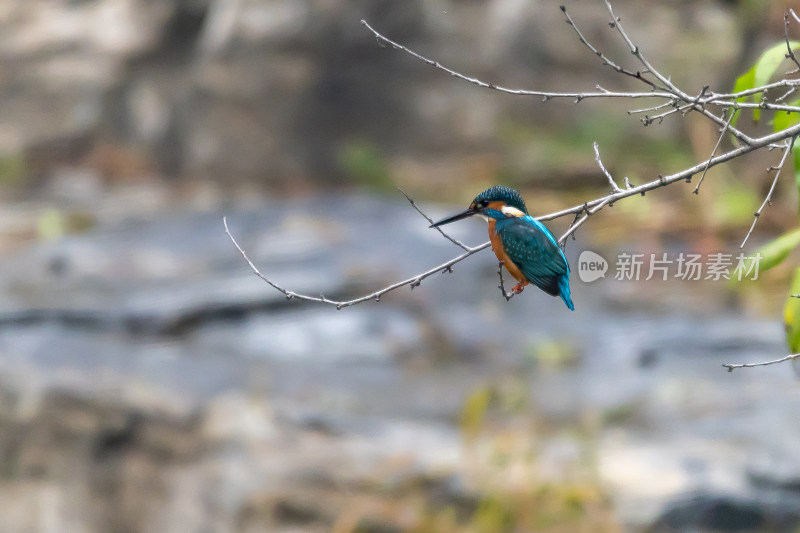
<point>149,382</point>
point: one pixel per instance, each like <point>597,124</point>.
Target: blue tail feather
<point>563,291</point>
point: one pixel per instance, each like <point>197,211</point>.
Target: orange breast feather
<point>497,247</point>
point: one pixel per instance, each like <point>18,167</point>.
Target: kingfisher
<point>527,249</point>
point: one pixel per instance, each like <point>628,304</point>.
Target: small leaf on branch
<point>774,252</point>
<point>760,74</point>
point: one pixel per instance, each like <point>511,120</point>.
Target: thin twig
<point>616,23</point>
<point>430,221</point>
<point>588,208</point>
<point>340,304</point>
<point>672,93</point>
<point>605,59</point>
<point>769,106</point>
<point>763,104</point>
<point>786,95</point>
<point>662,181</point>
<point>653,108</point>
<point>731,367</point>
<point>714,151</point>
<point>647,120</point>
<point>768,199</point>
<point>582,212</point>
<point>614,186</point>
<point>790,52</point>
<point>522,92</point>
<point>502,286</point>
<point>753,90</point>
<point>696,102</point>
<point>579,221</point>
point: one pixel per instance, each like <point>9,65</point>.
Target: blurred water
<point>164,313</point>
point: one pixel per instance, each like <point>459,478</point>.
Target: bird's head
<point>496,202</point>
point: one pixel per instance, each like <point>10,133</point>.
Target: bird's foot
<point>518,288</point>
<point>514,291</point>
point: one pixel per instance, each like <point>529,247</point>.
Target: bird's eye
<point>484,203</point>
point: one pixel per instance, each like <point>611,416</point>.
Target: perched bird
<point>526,247</point>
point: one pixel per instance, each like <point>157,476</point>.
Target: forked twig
<point>430,220</point>
<point>588,208</point>
<point>675,100</point>
<point>731,366</point>
<point>614,186</point>
<point>714,151</point>
<point>376,295</point>
<point>502,286</point>
<point>768,199</point>
<point>789,51</point>
<point>520,92</point>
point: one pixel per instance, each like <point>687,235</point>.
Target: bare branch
<point>430,221</point>
<point>752,91</point>
<point>735,131</point>
<point>668,91</point>
<point>340,304</point>
<point>671,92</point>
<point>662,181</point>
<point>614,186</point>
<point>731,367</point>
<point>502,286</point>
<point>653,108</point>
<point>790,52</point>
<point>768,199</point>
<point>787,94</point>
<point>606,60</point>
<point>647,120</point>
<point>578,96</point>
<point>696,104</point>
<point>616,23</point>
<point>769,106</point>
<point>588,208</point>
<point>578,222</point>
<point>669,100</point>
<point>714,151</point>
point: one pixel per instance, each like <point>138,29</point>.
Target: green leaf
<point>784,120</point>
<point>791,315</point>
<point>781,122</point>
<point>770,60</point>
<point>762,72</point>
<point>766,66</point>
<point>796,158</point>
<point>774,252</point>
<point>771,254</point>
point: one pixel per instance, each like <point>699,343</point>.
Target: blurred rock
<point>150,382</point>
<point>276,91</point>
<point>704,513</point>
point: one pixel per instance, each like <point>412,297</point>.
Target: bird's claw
<point>518,288</point>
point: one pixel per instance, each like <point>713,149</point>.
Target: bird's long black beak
<point>458,216</point>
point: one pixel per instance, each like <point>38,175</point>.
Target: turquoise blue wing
<point>531,246</point>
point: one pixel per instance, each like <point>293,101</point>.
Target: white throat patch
<point>509,211</point>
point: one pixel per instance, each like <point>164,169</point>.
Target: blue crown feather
<point>501,193</point>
